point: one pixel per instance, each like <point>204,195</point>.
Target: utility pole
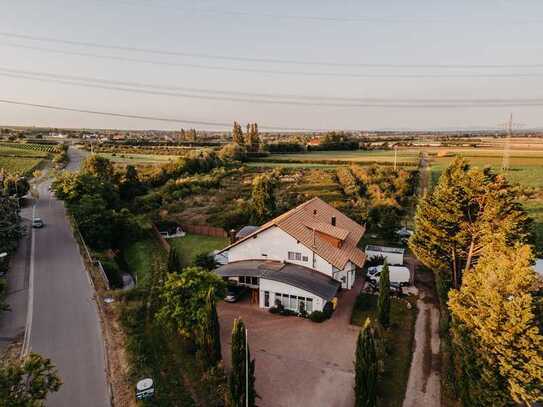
<point>246,370</point>
<point>507,145</point>
<point>506,161</point>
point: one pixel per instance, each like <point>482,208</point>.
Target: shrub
<point>274,310</point>
<point>318,316</point>
<point>287,312</point>
<point>113,273</point>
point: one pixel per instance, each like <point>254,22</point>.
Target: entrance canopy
<point>287,273</point>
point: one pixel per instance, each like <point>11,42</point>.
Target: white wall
<point>275,244</point>
<point>346,276</point>
<point>276,287</point>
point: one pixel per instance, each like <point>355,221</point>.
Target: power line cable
<point>261,60</point>
<point>279,72</point>
<point>144,117</point>
<point>392,104</point>
<point>342,19</point>
<point>232,95</point>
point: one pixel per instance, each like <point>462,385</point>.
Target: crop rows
<point>47,148</point>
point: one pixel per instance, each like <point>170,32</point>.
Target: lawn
<point>21,152</point>
<point>140,256</point>
<point>535,210</point>
<point>268,164</point>
<point>398,344</point>
<point>190,246</point>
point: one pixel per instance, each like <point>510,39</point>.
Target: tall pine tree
<point>498,343</point>
<point>210,333</point>
<point>366,368</point>
<point>383,303</point>
<point>238,390</point>
<point>461,216</point>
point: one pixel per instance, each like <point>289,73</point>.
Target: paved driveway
<point>298,362</point>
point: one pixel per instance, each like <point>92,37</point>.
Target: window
<point>266,299</point>
<point>242,279</point>
<point>254,281</point>
<point>304,258</point>
<point>285,301</point>
<point>309,305</point>
<point>294,303</point>
<point>295,256</point>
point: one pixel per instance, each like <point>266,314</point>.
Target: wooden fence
<point>204,230</point>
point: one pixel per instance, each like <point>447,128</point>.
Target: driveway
<point>298,362</point>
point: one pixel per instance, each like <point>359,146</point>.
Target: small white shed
<point>538,267</point>
<point>393,255</point>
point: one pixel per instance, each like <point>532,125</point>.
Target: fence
<point>204,230</point>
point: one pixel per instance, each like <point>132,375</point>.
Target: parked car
<point>37,223</point>
<point>398,274</point>
<point>235,292</point>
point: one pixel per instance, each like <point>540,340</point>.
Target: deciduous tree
<point>183,299</point>
<point>27,382</point>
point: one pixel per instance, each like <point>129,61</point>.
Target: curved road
<point>63,322</point>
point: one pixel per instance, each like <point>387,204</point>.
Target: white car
<point>398,274</point>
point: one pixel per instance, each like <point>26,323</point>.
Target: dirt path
<point>423,386</point>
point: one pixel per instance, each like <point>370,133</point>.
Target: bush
<point>113,273</point>
<point>275,310</point>
<point>287,312</point>
<point>318,316</point>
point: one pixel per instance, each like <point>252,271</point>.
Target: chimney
<point>314,212</point>
<point>333,221</point>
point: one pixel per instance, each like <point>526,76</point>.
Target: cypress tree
<point>210,336</point>
<point>237,383</point>
<point>496,337</point>
<point>383,303</point>
<point>174,264</point>
<point>366,368</point>
<point>237,134</point>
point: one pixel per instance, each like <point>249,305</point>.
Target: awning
<point>292,274</point>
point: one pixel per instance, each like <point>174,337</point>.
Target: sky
<point>305,64</point>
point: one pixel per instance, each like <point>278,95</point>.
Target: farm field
<point>409,155</point>
<point>18,165</point>
<point>124,158</point>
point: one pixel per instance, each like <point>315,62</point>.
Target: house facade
<point>300,259</point>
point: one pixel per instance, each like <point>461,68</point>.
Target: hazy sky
<point>335,38</point>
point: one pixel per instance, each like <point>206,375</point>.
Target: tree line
<point>473,233</point>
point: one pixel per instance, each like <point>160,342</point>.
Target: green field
<point>19,165</point>
<point>190,246</point>
<point>123,158</point>
<point>404,155</point>
<point>267,164</point>
<point>141,257</point>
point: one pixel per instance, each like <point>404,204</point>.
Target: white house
<point>301,258</point>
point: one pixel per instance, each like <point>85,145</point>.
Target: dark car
<point>235,292</point>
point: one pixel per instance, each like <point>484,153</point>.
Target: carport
<point>292,285</point>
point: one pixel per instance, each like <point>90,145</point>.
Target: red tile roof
<point>316,215</point>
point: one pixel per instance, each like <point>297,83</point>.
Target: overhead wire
<point>260,60</point>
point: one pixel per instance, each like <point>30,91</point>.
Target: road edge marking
<point>30,304</point>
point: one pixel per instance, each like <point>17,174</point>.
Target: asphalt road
<point>63,321</point>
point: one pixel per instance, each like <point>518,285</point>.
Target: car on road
<point>235,292</point>
<point>397,274</point>
<point>37,223</point>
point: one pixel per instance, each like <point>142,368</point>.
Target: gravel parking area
<point>298,362</point>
